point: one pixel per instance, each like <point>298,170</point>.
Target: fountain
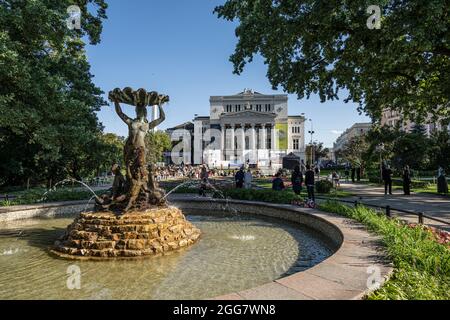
<point>134,220</point>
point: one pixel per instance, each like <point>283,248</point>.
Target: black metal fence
<point>7,197</point>
<point>421,216</point>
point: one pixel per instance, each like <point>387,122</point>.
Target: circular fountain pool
<point>235,253</point>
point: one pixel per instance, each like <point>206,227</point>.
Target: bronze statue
<point>141,190</point>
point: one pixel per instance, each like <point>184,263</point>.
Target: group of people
<point>386,173</point>
<point>353,172</point>
<point>185,171</point>
<point>297,181</point>
<point>243,179</point>
<point>299,178</point>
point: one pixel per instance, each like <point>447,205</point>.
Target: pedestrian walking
<point>317,171</point>
<point>297,180</point>
<point>442,183</point>
<point>406,180</point>
<point>336,179</point>
<point>310,183</point>
<point>277,183</point>
<point>239,178</point>
<point>387,178</point>
<point>248,178</point>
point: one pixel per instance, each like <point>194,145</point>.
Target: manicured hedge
<point>324,186</point>
<point>286,196</point>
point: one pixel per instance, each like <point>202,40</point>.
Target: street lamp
<point>380,148</point>
<point>311,132</point>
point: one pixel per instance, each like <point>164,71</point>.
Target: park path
<point>431,205</point>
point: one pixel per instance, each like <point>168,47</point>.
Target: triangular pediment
<point>248,114</point>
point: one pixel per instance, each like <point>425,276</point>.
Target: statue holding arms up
<point>140,193</point>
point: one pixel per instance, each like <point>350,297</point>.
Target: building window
<point>296,129</point>
<point>296,144</point>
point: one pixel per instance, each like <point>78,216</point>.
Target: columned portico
<point>246,125</point>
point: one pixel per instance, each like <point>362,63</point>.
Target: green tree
<point>322,47</point>
<point>47,98</point>
<point>411,149</point>
<point>319,151</point>
<point>157,143</point>
<point>354,151</point>
<point>381,141</point>
<point>440,150</point>
<point>105,150</point>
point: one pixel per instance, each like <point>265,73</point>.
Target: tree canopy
<point>48,124</point>
<point>322,47</point>
<point>157,143</point>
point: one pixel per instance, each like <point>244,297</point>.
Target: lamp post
<point>380,148</point>
<point>311,132</point>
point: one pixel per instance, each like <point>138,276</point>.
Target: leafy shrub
<point>33,196</point>
<point>324,186</point>
<point>266,195</point>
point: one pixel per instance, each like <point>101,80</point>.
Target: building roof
<point>249,93</point>
<point>297,117</point>
<point>180,126</point>
<point>202,118</point>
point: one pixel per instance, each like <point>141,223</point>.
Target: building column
<point>230,151</point>
<point>263,137</point>
<point>273,140</point>
<point>232,127</point>
<point>253,144</point>
<point>223,128</point>
<point>243,143</point>
<point>253,138</point>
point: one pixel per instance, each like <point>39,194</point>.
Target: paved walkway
<point>431,205</point>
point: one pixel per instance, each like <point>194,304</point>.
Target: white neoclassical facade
<point>246,128</point>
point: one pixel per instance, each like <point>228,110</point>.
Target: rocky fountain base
<point>134,234</point>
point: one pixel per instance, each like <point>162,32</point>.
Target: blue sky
<point>178,47</point>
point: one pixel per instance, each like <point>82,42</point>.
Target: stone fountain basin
<point>344,275</point>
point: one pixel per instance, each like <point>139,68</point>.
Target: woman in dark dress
<point>277,183</point>
<point>406,180</point>
<point>297,180</point>
<point>442,181</point>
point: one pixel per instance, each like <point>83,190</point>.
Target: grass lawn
<point>338,193</point>
<point>430,189</point>
<point>422,265</point>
